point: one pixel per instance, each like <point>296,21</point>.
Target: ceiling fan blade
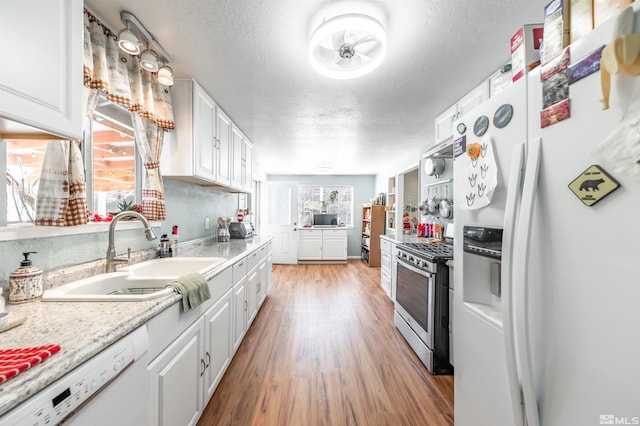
<point>344,62</point>
<point>325,54</point>
<point>362,58</point>
<point>365,39</point>
<point>337,40</point>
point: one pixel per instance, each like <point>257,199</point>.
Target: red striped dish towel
<point>14,361</point>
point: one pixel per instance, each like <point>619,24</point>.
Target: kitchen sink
<point>139,282</point>
<point>173,267</point>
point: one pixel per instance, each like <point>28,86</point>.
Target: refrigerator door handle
<point>510,222</point>
<point>521,281</point>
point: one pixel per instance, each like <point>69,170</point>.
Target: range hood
<point>444,149</point>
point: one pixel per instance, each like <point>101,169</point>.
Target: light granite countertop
<point>83,329</point>
<point>403,238</point>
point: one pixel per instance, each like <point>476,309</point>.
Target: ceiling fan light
<point>165,75</point>
<point>349,24</point>
<point>128,42</point>
<point>149,60</point>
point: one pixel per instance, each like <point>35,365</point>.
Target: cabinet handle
<point>208,360</point>
<point>203,367</point>
<point>245,305</point>
<point>258,287</point>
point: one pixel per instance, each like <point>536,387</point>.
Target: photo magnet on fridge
<point>555,113</point>
<point>555,89</point>
<point>585,66</point>
<point>554,66</point>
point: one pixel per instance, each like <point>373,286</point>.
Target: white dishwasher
<point>110,388</point>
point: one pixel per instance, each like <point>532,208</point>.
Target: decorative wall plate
<point>481,125</point>
<point>461,128</point>
<point>503,115</point>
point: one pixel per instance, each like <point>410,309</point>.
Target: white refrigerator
<point>550,333</point>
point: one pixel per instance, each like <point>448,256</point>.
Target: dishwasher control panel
<point>61,399</point>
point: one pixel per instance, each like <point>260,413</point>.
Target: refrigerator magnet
<point>593,185</point>
<point>555,113</point>
<point>585,66</point>
<point>461,128</point>
<point>503,115</point>
<point>481,125</point>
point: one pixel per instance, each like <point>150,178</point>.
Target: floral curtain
<point>110,72</point>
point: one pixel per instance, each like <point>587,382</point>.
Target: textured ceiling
<point>251,56</point>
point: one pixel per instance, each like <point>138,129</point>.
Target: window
<point>112,167</point>
<point>313,199</point>
<point>113,160</point>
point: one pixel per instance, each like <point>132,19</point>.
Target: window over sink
<point>332,199</point>
<point>112,167</point>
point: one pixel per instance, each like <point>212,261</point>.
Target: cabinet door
<point>176,380</point>
<point>218,327</point>
<point>474,98</point>
<point>263,282</point>
<point>223,148</point>
<point>269,273</point>
<point>252,288</point>
<point>444,124</point>
<point>203,133</point>
<point>310,245</point>
<point>41,65</point>
<point>247,174</point>
<point>237,157</point>
<point>334,245</point>
<point>240,306</point>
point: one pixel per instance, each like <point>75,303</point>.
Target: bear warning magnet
<point>593,185</point>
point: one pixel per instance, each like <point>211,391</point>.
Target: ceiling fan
<point>348,46</point>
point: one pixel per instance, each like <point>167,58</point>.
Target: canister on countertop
<point>25,283</point>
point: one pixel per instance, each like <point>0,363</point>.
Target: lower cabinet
<point>322,245</point>
<point>387,270</point>
<point>176,380</point>
<point>192,350</point>
<point>218,323</point>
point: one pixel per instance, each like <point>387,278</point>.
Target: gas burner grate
<point>428,251</point>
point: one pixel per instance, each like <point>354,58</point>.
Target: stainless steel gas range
<point>422,302</point>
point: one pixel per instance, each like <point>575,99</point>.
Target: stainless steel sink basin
<point>139,282</point>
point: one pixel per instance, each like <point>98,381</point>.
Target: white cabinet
<point>199,150</point>
<point>334,244</point>
<point>322,245</point>
<point>241,161</point>
<point>240,303</point>
<point>222,148</point>
<point>218,321</point>
<point>41,67</point>
<point>176,380</point>
<point>444,122</point>
<point>252,295</point>
<point>387,272</point>
<point>310,244</point>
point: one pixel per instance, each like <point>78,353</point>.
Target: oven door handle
<point>413,268</point>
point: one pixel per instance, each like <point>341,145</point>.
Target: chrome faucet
<point>112,260</point>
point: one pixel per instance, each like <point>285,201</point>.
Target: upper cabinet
<point>444,122</point>
<point>241,154</point>
<point>202,148</point>
<point>41,68</point>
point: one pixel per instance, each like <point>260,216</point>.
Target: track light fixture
<point>128,41</point>
<point>165,75</point>
<point>149,60</point>
<point>136,34</point>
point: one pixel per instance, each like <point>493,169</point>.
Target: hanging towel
<point>15,361</point>
<point>193,288</point>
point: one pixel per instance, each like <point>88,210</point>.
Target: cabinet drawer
<point>239,270</point>
<point>254,258</point>
<point>385,262</point>
<point>385,246</point>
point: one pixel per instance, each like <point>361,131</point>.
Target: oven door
<point>414,300</point>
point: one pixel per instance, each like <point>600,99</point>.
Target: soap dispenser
<point>25,283</point>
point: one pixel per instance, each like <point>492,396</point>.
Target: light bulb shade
<point>348,46</point>
<point>149,60</point>
<point>128,42</point>
<point>165,75</point>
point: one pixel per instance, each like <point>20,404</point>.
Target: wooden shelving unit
<point>373,218</point>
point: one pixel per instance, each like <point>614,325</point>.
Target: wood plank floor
<point>323,351</point>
